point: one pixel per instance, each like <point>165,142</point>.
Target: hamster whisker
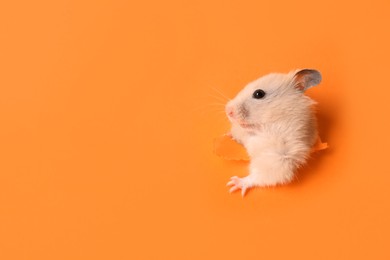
<point>220,93</point>
<point>219,98</point>
<point>210,107</point>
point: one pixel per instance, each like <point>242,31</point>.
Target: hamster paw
<point>238,183</point>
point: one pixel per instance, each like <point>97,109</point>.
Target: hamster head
<point>273,97</point>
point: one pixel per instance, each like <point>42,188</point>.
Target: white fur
<point>278,130</point>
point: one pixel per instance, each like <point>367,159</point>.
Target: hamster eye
<point>258,94</point>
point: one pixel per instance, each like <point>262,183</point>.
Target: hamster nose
<point>229,111</point>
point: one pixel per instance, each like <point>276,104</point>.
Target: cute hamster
<point>273,119</point>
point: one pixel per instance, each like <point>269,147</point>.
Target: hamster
<point>273,119</point>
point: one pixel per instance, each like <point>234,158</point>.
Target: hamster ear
<point>306,78</point>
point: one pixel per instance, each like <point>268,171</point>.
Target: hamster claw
<point>233,189</point>
<point>243,191</point>
<point>237,183</point>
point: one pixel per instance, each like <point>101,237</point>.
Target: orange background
<point>108,113</point>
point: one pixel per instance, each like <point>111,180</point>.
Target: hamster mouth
<point>247,125</point>
<point>242,123</point>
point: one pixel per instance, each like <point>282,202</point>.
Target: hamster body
<point>273,119</point>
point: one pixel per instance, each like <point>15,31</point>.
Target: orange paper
<point>229,149</point>
<point>106,113</point>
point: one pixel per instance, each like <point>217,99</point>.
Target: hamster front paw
<point>239,183</point>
